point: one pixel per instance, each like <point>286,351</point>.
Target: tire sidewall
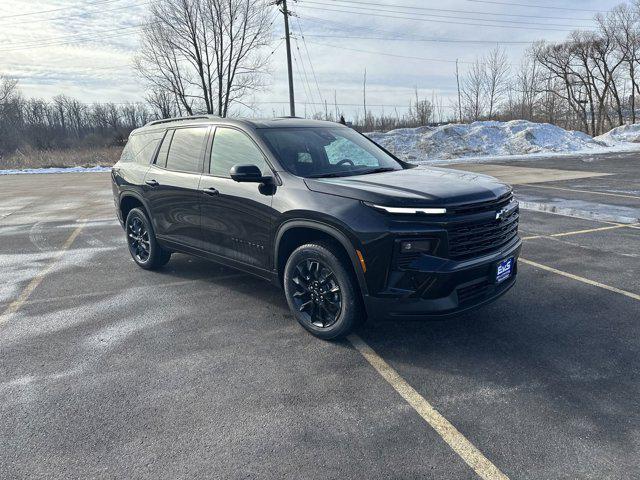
<point>349,313</point>
<point>153,244</point>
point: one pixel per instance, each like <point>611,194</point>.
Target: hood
<point>419,187</point>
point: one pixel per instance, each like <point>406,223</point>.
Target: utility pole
<point>292,105</point>
<point>459,96</point>
<point>364,95</point>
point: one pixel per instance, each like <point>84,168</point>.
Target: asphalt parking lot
<point>199,371</point>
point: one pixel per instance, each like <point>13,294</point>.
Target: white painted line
<point>450,434</point>
<point>151,286</point>
<point>578,232</point>
<point>575,213</point>
<point>35,281</point>
<point>635,296</point>
<point>580,191</point>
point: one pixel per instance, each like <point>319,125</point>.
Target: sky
<point>85,49</point>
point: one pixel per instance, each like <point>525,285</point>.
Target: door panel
<point>174,204</point>
<point>236,222</point>
<point>171,185</point>
<point>236,217</point>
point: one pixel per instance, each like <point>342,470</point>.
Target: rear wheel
<point>142,242</point>
<point>321,290</point>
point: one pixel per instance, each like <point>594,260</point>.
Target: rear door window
<point>186,149</point>
<point>161,158</point>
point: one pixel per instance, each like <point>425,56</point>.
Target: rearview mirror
<point>246,173</point>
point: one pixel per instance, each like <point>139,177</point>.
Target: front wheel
<point>141,239</point>
<point>321,290</point>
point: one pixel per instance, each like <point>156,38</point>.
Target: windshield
<point>327,152</point>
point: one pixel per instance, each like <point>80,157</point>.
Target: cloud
<point>96,66</point>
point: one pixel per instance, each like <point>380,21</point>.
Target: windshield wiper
<point>351,173</point>
<point>378,170</point>
<point>328,175</point>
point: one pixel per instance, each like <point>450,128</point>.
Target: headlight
<point>407,210</point>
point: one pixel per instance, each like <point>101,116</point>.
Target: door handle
<point>210,191</point>
<point>152,183</point>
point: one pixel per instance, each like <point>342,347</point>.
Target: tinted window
<point>185,152</point>
<point>161,159</point>
<point>141,147</point>
<point>327,151</point>
<point>231,147</point>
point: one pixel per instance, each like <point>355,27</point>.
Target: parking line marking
<point>35,281</point>
<point>635,296</point>
<point>581,191</point>
<point>450,434</point>
<point>577,232</point>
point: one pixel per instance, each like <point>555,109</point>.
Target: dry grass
<point>80,157</point>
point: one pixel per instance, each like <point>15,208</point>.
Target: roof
<point>282,122</point>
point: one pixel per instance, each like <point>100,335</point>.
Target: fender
<point>333,232</point>
<point>134,194</point>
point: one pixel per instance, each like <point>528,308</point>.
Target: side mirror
<point>246,173</point>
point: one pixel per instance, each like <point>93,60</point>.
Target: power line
<point>90,38</point>
<point>100,2</point>
<point>304,71</point>
<point>326,9</point>
<point>309,59</point>
<point>383,105</point>
<point>528,5</point>
<point>341,47</point>
<point>64,17</point>
<point>432,15</point>
<point>464,11</point>
<point>415,39</point>
<point>332,23</point>
<point>43,42</point>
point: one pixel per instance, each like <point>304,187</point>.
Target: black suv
<point>347,229</point>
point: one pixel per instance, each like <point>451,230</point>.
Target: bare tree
<point>206,54</point>
<point>163,103</point>
<point>473,91</point>
<point>622,25</point>
<point>496,77</point>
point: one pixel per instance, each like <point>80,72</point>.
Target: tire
<point>142,243</point>
<point>322,291</point>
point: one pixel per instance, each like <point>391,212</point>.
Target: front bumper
<point>449,287</point>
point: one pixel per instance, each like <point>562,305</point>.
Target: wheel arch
<point>129,201</point>
<point>294,233</point>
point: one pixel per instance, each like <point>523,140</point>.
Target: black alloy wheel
<point>142,243</point>
<point>138,238</point>
<point>322,289</point>
<point>318,294</point>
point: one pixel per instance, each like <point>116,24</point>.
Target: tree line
<point>587,82</point>
<point>64,122</point>
<point>209,56</point>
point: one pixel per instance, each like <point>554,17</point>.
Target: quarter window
<point>185,152</point>
<point>141,147</point>
<point>232,147</point>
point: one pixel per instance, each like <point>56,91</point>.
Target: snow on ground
<point>621,135</point>
<point>479,140</point>
<point>55,170</point>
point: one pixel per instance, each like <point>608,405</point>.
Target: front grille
<point>471,292</point>
<point>472,240</point>
<point>480,207</point>
<point>405,259</point>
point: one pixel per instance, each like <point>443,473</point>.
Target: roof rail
<point>177,119</point>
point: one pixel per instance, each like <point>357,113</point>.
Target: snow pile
<point>480,139</point>
<point>55,170</point>
<point>622,134</point>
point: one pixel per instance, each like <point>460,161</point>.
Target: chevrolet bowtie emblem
<point>502,214</point>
